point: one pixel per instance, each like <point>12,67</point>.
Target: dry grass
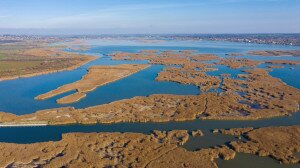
<point>25,62</point>
<point>17,65</point>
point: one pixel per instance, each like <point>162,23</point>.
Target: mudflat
<point>96,76</point>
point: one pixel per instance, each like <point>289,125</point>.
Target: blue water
<point>290,74</point>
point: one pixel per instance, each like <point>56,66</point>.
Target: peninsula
<point>96,76</point>
<point>27,60</point>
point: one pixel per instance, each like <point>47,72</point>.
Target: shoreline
<point>91,58</point>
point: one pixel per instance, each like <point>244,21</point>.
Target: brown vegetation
<point>37,61</point>
<point>112,150</point>
<point>235,131</point>
<point>276,53</point>
<point>284,62</point>
<point>281,143</point>
<point>235,54</point>
<point>191,71</point>
<point>189,76</point>
<point>196,133</point>
<point>238,62</point>
<point>263,96</point>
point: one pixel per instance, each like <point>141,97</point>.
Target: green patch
<point>2,56</point>
<point>18,65</point>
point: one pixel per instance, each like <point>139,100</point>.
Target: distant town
<point>276,39</point>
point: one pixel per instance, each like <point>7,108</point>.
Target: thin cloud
<point>4,16</point>
<point>194,15</point>
<point>126,8</point>
<point>109,15</point>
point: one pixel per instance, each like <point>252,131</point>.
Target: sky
<point>149,16</point>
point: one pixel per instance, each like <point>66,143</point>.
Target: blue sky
<point>149,16</point>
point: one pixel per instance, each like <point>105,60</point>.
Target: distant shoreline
<point>290,39</point>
